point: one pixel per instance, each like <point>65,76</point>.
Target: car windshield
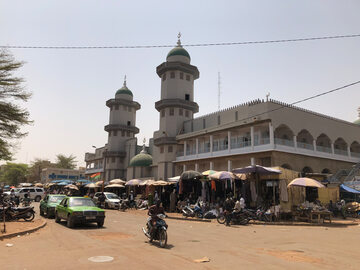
<point>81,202</point>
<point>54,199</point>
<point>112,196</point>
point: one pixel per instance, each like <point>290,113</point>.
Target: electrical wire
<point>184,45</point>
<point>302,100</point>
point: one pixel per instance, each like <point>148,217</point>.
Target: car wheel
<point>57,219</point>
<point>70,222</point>
<point>100,224</point>
<point>37,198</point>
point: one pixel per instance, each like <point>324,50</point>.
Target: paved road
<point>244,247</point>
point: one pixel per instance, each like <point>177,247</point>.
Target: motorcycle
<point>122,205</point>
<point>16,213</point>
<point>160,232</point>
<point>196,211</point>
<point>236,218</point>
<point>258,214</point>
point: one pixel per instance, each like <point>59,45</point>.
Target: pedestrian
<point>229,206</point>
<point>173,201</point>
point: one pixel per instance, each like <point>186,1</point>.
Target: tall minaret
<point>175,106</point>
<point>121,128</point>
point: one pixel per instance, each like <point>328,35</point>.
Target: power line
<point>184,45</point>
<point>303,100</point>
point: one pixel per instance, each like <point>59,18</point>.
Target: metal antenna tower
<point>219,90</point>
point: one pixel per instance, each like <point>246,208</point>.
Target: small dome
<point>124,90</point>
<point>141,160</point>
<point>178,51</point>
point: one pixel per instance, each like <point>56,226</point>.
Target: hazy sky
<point>70,87</point>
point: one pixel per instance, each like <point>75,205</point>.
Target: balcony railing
<point>190,151</point>
<point>284,142</point>
<point>262,141</point>
<point>340,152</point>
<point>354,154</point>
<point>220,147</point>
<point>305,145</point>
<point>204,149</point>
<point>323,149</point>
<point>180,153</point>
<point>235,145</point>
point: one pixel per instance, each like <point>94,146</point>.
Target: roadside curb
<point>190,219</point>
<point>11,235</point>
<point>333,225</point>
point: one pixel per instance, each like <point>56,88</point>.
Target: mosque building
<point>268,133</point>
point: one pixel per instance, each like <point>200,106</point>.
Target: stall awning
<point>349,189</point>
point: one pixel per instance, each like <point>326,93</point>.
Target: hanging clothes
<point>203,191</point>
<point>283,191</point>
<point>253,191</point>
<point>213,185</point>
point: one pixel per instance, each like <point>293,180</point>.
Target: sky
<point>70,87</point>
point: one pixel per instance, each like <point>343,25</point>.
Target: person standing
<point>173,201</point>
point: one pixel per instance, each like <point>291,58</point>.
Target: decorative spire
<point>143,151</point>
<point>124,81</point>
<point>179,41</point>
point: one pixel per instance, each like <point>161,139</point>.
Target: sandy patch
<point>110,236</point>
<point>292,255</point>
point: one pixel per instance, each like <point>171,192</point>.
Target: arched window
<point>283,135</point>
<point>323,143</point>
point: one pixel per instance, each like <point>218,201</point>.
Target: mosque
<point>263,132</point>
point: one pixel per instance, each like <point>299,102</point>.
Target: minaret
<point>175,106</point>
<point>121,128</point>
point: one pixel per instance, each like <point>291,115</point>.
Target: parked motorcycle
<point>160,232</point>
<point>258,214</point>
<point>16,213</point>
<point>123,205</point>
<point>194,211</point>
<point>236,218</point>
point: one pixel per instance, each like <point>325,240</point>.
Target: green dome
<point>178,51</point>
<point>141,160</point>
<point>357,122</point>
<point>124,91</point>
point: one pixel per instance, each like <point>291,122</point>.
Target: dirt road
<point>243,247</point>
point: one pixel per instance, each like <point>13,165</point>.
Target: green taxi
<point>48,204</point>
<point>79,210</point>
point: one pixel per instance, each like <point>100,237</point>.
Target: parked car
<point>79,210</point>
<point>49,203</point>
<point>35,193</point>
<point>111,199</point>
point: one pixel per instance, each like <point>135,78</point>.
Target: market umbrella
<point>208,172</point>
<point>174,179</point>
<point>83,181</point>
<point>222,175</point>
<point>133,182</point>
<point>260,170</point>
<point>147,182</point>
<point>91,185</point>
<point>117,181</point>
<point>190,175</point>
<point>99,183</point>
<point>63,183</point>
<point>38,185</point>
<point>305,182</point>
<point>115,186</point>
<point>240,176</point>
<point>161,183</point>
<point>71,187</point>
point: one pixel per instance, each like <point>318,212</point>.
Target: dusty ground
<point>19,226</point>
<point>242,247</point>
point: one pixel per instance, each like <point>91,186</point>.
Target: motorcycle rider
<point>154,210</point>
<point>229,206</point>
<point>101,200</point>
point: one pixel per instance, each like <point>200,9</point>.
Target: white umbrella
<point>305,182</point>
<point>161,183</point>
<point>91,185</point>
<point>115,186</point>
<point>147,182</point>
<point>133,182</point>
<point>174,179</point>
<point>117,181</point>
<point>71,186</point>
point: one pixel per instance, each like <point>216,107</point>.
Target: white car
<point>111,199</point>
<point>35,193</point>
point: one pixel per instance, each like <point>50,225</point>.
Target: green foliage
<point>14,173</point>
<point>12,116</point>
<point>65,162</point>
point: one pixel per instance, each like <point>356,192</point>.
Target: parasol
<point>174,179</point>
<point>115,186</point>
<point>91,185</point>
<point>260,170</point>
<point>38,185</point>
<point>72,187</point>
<point>133,182</point>
<point>305,182</point>
<point>161,183</point>
<point>222,175</point>
<point>190,175</point>
<point>117,181</point>
<point>147,183</point>
<point>208,172</point>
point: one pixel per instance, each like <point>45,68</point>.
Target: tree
<point>14,173</point>
<point>65,162</point>
<point>12,116</point>
<point>36,167</point>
